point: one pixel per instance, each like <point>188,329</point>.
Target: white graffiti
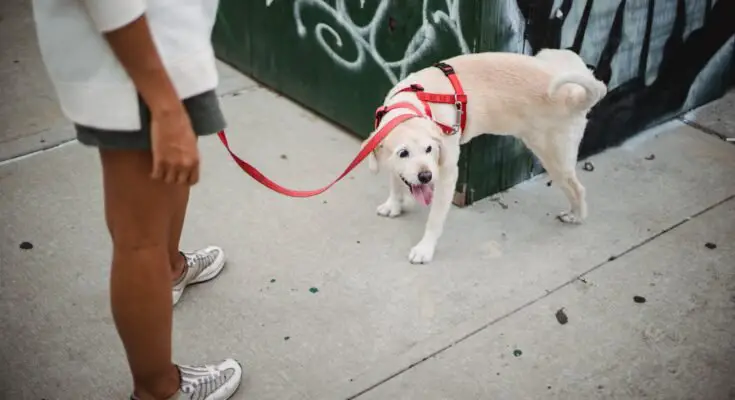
<point>365,37</point>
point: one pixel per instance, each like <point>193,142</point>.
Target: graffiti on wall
<point>364,37</point>
<point>658,57</point>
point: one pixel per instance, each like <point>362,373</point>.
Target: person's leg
<point>138,213</point>
<point>180,201</point>
<point>145,219</point>
<point>206,263</point>
<point>188,268</point>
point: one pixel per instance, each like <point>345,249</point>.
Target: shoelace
<point>199,259</point>
<point>190,383</point>
<point>195,263</point>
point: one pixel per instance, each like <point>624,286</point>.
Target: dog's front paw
<point>389,209</point>
<point>569,217</point>
<point>422,253</point>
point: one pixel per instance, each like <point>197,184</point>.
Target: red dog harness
<point>458,99</point>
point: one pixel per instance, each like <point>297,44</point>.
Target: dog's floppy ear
<point>440,148</point>
<point>372,157</point>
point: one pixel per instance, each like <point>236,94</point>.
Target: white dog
<point>542,100</point>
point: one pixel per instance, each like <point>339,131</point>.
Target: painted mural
<point>339,58</point>
<point>364,37</point>
<point>658,57</point>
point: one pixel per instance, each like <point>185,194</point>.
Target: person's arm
<point>125,27</point>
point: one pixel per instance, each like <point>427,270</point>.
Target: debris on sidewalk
<point>497,198</point>
<point>650,157</point>
<point>313,290</point>
<point>26,246</point>
<point>588,166</point>
<point>639,299</point>
<point>561,316</point>
<point>517,352</point>
<point>710,245</point>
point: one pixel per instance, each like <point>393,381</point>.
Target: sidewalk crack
<point>546,294</point>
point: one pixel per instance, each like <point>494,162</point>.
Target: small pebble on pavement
<point>561,316</point>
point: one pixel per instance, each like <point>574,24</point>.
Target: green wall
<point>340,57</point>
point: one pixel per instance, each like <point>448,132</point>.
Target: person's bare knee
<point>137,208</point>
<point>139,211</point>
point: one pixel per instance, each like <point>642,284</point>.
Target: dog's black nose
<point>425,176</point>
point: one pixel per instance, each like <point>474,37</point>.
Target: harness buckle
<point>379,114</point>
<point>445,68</point>
<point>457,126</point>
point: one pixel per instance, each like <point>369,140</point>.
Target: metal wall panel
<point>660,58</point>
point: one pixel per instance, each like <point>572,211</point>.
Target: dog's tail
<point>594,89</point>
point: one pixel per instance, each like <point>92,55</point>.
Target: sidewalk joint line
<point>545,295</point>
<point>705,129</point>
<point>36,152</point>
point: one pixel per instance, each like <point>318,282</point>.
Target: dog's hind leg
<point>393,207</point>
<point>575,192</point>
<point>558,154</point>
<point>564,151</point>
<point>423,252</point>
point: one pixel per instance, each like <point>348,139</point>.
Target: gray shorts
<point>204,112</point>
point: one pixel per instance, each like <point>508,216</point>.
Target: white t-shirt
<point>92,86</point>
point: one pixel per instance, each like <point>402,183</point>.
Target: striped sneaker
<point>208,382</point>
<point>200,266</point>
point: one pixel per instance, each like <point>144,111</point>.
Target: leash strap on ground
<point>262,179</point>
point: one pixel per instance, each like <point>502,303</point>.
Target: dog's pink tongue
<point>423,193</point>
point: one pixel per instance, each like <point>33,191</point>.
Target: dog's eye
<point>403,153</point>
<point>428,149</point>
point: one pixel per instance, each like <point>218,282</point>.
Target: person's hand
<point>174,145</point>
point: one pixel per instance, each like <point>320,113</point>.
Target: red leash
<point>370,146</point>
<point>459,99</point>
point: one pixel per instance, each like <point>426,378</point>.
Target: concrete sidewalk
<point>480,322</point>
<point>379,326</point>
